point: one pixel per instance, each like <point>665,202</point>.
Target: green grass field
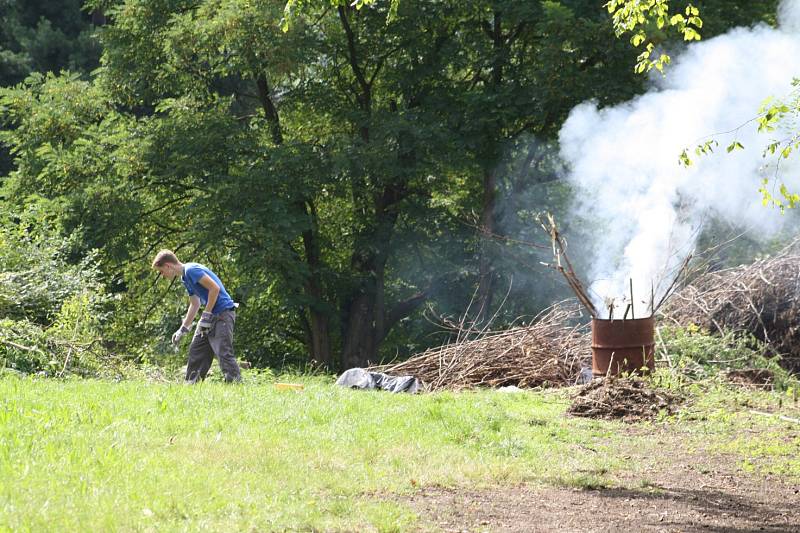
<point>80,455</point>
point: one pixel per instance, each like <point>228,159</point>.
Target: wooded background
<point>342,171</point>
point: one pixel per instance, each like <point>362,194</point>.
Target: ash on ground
<point>629,399</point>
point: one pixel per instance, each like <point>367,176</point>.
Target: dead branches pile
<point>760,299</point>
<point>629,399</point>
<point>549,352</point>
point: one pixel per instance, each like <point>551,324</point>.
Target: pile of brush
<point>550,351</point>
<point>628,398</point>
<point>760,299</point>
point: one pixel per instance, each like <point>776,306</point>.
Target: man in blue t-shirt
<point>214,332</point>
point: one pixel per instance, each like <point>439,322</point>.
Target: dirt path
<point>680,492</point>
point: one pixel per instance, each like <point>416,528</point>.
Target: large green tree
<point>362,127</point>
<point>44,36</point>
<point>334,173</point>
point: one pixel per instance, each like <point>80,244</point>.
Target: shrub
<point>51,309</point>
<point>696,354</point>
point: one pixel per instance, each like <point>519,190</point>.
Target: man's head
<point>167,264</point>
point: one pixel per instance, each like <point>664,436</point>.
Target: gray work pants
<point>218,341</point>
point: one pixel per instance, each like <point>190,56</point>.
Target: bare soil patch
<point>675,492</point>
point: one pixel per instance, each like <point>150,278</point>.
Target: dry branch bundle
<point>760,298</point>
<point>548,352</point>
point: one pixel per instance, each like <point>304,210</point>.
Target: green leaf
<point>735,145</point>
<point>684,159</point>
<point>676,19</point>
<point>690,34</point>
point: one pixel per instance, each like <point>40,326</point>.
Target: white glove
<point>178,335</point>
<point>205,323</point>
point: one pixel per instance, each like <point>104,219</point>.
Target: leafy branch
<point>293,7</point>
<point>773,115</point>
<point>638,16</point>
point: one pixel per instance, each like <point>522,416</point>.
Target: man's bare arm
<point>191,312</point>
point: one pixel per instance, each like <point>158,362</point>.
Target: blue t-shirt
<point>192,273</point>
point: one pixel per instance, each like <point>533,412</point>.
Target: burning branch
<point>559,251</point>
<point>681,271</point>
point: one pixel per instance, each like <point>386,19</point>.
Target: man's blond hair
<point>165,256</point>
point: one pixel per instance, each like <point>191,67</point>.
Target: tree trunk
<point>270,111</point>
<point>320,337</point>
<point>318,321</point>
<point>486,280</point>
<point>320,341</point>
<point>361,336</point>
<point>365,317</point>
<point>369,322</point>
<point>486,271</point>
<point>98,17</point>
<point>366,310</point>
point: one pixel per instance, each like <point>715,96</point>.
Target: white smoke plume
<point>624,160</point>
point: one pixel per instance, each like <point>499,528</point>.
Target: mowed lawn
<point>81,455</point>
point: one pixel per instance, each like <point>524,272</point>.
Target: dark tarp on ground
<point>358,378</point>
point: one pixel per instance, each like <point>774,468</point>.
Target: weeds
<point>692,354</point>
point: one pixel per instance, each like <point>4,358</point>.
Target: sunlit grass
<point>93,455</point>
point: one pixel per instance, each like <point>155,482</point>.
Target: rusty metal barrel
<point>622,346</point>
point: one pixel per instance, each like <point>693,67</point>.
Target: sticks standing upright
<point>633,316</point>
<point>559,251</point>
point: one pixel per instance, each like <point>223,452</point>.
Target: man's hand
<point>205,323</point>
<point>178,335</point>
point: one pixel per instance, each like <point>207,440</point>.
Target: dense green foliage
<point>339,173</point>
<point>692,354</point>
<point>45,35</point>
<point>42,36</point>
<point>51,309</point>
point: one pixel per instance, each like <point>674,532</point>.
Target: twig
<point>633,316</point>
<point>773,415</point>
<point>663,347</point>
<point>559,251</point>
<point>21,347</point>
<point>672,285</point>
<point>652,296</point>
